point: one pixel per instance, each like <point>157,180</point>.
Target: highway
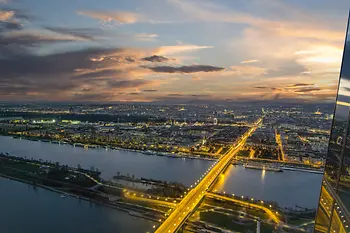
<point>184,209</point>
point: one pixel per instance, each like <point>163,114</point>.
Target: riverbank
<point>240,181</point>
<point>72,183</point>
<point>316,171</point>
<point>120,207</point>
<point>147,152</point>
<point>275,166</point>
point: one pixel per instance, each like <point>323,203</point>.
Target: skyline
<point>171,50</point>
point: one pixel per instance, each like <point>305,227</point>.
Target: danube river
<point>25,209</point>
<point>288,188</point>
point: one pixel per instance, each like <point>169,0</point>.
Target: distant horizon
<point>189,102</point>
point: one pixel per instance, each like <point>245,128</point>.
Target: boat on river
<point>263,167</point>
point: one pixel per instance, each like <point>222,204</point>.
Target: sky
<point>171,50</point>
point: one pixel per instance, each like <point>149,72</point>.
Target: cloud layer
<point>184,49</point>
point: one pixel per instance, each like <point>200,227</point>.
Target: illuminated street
<point>194,197</point>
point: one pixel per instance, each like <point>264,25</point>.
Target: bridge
<point>188,204</point>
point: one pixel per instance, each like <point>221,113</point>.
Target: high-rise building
<point>333,212</point>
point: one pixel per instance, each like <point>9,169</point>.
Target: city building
<point>333,213</point>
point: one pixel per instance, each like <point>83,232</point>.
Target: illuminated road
<point>271,214</point>
<point>279,142</point>
<point>195,196</point>
<point>148,199</point>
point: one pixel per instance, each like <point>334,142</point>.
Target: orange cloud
<point>6,15</point>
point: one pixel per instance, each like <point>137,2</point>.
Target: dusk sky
<point>159,50</point>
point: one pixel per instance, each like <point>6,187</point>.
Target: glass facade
<point>333,213</point>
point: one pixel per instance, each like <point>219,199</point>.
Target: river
<point>25,209</point>
<point>288,188</point>
<point>109,162</point>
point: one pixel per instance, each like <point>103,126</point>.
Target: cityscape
<point>176,116</point>
<point>251,140</point>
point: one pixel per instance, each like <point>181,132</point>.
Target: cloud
<point>286,68</point>
<point>299,24</point>
<point>150,90</point>
<point>281,56</point>
<point>22,42</point>
<point>276,96</point>
<point>176,94</point>
<point>71,75</point>
<point>308,89</point>
<point>98,73</point>
<point>185,69</point>
<point>199,95</point>
<point>145,37</point>
<point>279,39</point>
<point>301,85</point>
<point>181,48</point>
<point>184,96</point>
<point>119,16</point>
<point>120,84</point>
<point>210,12</point>
<point>246,70</point>
<point>88,97</point>
<point>108,73</point>
<point>79,33</point>
<point>249,61</point>
<point>9,26</point>
<point>155,58</point>
<point>10,20</point>
<point>275,89</point>
<point>325,54</point>
<point>31,38</point>
<point>6,15</point>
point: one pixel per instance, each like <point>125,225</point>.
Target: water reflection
<point>263,175</point>
<point>236,179</point>
<point>272,186</point>
<point>220,183</point>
